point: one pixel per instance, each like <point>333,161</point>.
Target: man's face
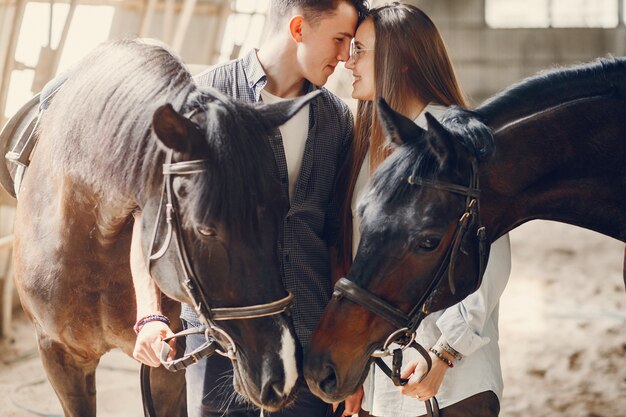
<point>326,42</point>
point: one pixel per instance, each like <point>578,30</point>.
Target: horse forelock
<point>390,181</point>
<point>240,166</point>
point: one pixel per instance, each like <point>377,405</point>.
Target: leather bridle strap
<point>252,312</point>
<point>470,191</point>
<point>372,302</point>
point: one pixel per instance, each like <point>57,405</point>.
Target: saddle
<point>19,136</point>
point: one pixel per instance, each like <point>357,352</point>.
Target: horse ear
<point>440,141</point>
<point>276,114</point>
<point>398,128</point>
<point>175,131</point>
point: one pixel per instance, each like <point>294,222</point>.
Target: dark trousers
<point>210,391</point>
<point>484,404</point>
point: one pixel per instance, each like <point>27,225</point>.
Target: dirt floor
<point>563,337</point>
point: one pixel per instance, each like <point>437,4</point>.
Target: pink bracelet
<point>147,319</point>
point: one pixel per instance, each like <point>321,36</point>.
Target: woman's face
<point>361,61</point>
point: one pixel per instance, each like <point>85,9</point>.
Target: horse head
<point>421,248</point>
<point>212,234</point>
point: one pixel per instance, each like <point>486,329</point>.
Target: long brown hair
<point>410,60</point>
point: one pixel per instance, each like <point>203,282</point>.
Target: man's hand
<point>149,343</point>
<point>352,403</point>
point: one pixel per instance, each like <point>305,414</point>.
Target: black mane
<point>240,165</point>
<point>550,88</point>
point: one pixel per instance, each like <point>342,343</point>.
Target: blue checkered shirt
<point>313,218</point>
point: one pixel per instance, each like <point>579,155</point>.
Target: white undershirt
<point>294,133</point>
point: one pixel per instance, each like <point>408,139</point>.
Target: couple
<point>395,53</point>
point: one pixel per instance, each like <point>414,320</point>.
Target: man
<point>307,39</point>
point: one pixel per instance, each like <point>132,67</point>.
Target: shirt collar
<point>257,79</point>
<point>255,74</point>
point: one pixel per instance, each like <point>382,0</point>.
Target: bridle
<point>208,316</point>
<point>407,324</point>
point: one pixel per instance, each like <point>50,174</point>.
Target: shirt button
<point>286,257</point>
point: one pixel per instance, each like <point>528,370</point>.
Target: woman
<point>398,54</point>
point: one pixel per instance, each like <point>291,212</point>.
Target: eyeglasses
<point>355,50</point>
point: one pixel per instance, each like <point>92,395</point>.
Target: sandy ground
<point>563,337</point>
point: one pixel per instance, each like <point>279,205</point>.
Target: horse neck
<point>565,164</point>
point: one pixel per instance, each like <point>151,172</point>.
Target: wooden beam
<point>183,25</point>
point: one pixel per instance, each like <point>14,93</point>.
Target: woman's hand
<point>149,343</point>
<point>419,386</point>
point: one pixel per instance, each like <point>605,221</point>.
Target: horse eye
<point>429,244</point>
<point>207,231</point>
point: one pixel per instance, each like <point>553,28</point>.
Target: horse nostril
<point>272,393</point>
<point>328,381</point>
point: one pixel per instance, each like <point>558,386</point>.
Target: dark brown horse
<point>100,155</point>
<point>558,152</point>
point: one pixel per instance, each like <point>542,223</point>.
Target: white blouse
<point>470,327</point>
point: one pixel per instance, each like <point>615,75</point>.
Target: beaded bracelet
<point>451,351</point>
<point>442,358</point>
<point>147,319</point>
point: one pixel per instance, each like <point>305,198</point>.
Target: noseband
<point>208,316</point>
<point>407,324</point>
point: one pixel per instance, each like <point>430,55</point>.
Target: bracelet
<point>147,319</point>
<point>442,358</point>
<point>451,351</point>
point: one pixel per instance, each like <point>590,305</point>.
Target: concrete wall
<point>488,59</point>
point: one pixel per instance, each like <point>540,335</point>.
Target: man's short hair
<point>312,10</point>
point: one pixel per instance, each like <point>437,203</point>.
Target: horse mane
<point>554,87</point>
<point>100,130</point>
<point>105,108</point>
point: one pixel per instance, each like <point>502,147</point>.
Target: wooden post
<point>66,30</point>
<point>146,19</point>
<point>168,21</point>
<point>218,34</point>
<point>8,61</point>
<point>183,25</point>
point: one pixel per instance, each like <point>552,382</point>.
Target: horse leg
<point>72,376</point>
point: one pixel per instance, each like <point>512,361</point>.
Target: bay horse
<point>551,147</point>
<point>130,129</point>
